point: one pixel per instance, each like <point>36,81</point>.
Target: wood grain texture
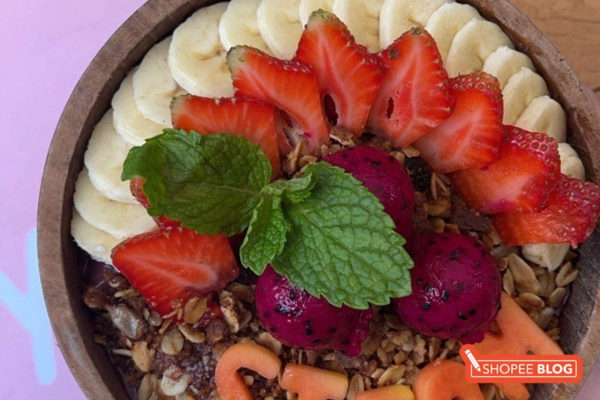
<point>574,28</point>
<point>61,268</point>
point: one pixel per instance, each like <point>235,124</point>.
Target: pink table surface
<point>46,46</point>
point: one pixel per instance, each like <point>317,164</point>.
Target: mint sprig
<point>324,231</point>
<point>211,183</point>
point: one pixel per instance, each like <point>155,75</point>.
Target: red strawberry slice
<point>569,217</point>
<point>171,266</point>
<point>238,116</point>
<point>520,180</point>
<point>471,136</point>
<point>136,185</point>
<point>289,85</point>
<point>347,74</point>
<point>415,94</point>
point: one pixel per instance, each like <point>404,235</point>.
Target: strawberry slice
<point>238,116</point>
<point>347,74</point>
<point>290,86</point>
<point>415,94</point>
<point>519,180</point>
<point>171,266</point>
<point>569,217</point>
<point>471,136</point>
<point>136,185</point>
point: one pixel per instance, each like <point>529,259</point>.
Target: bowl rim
<point>58,254</point>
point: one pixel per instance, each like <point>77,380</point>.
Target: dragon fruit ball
<point>298,319</point>
<point>385,177</point>
<point>456,288</point>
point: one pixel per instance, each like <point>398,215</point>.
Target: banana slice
<point>570,163</point>
<point>446,21</point>
<point>238,25</point>
<point>399,16</point>
<point>472,45</point>
<point>544,114</point>
<point>96,242</point>
<point>362,18</point>
<point>505,62</point>
<point>104,159</point>
<point>154,86</point>
<point>520,90</point>
<point>117,218</point>
<point>306,7</point>
<point>129,122</point>
<point>197,57</point>
<point>279,24</point>
<point>549,255</point>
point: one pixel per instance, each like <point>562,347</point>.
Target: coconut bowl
<point>60,258</point>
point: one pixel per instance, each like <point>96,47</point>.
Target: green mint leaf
<point>266,235</point>
<point>294,190</point>
<point>342,245</point>
<point>268,228</point>
<point>211,183</point>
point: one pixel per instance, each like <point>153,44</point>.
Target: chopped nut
<point>242,292</point>
<point>122,352</point>
<point>194,309</point>
<point>419,350</point>
<point>566,274</point>
<point>508,283</point>
<point>556,298</point>
<point>410,152</point>
<point>127,321</point>
<point>391,375</point>
<point>174,381</point>
<point>172,343</point>
<point>521,271</point>
<point>94,298</point>
<point>355,386</point>
<point>148,389</point>
<point>267,340</point>
<point>544,317</point>
<point>142,356</point>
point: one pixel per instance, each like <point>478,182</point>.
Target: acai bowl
<point>66,286</point>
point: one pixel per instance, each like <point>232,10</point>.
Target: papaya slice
<point>311,383</point>
<point>229,383</point>
<point>445,380</point>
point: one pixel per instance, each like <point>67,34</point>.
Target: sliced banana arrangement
<point>362,18</point>
<point>505,62</point>
<point>192,60</point>
<point>154,86</point>
<point>129,122</point>
<point>104,159</point>
<point>446,21</point>
<point>117,218</point>
<point>472,44</point>
<point>280,26</point>
<point>197,56</point>
<point>239,25</point>
<point>399,16</point>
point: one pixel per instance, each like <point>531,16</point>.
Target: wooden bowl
<point>59,256</point>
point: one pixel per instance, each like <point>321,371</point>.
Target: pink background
<point>46,46</point>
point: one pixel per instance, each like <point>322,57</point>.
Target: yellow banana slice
<point>544,114</point>
<point>472,45</point>
<point>96,242</point>
<point>280,26</point>
<point>399,16</point>
<point>239,25</point>
<point>104,159</point>
<point>197,57</point>
<point>505,62</point>
<point>129,122</point>
<point>362,18</point>
<point>117,218</point>
<point>520,90</point>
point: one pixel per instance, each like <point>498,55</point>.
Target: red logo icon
<point>495,368</point>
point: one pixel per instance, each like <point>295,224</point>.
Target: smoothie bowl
<point>466,142</point>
